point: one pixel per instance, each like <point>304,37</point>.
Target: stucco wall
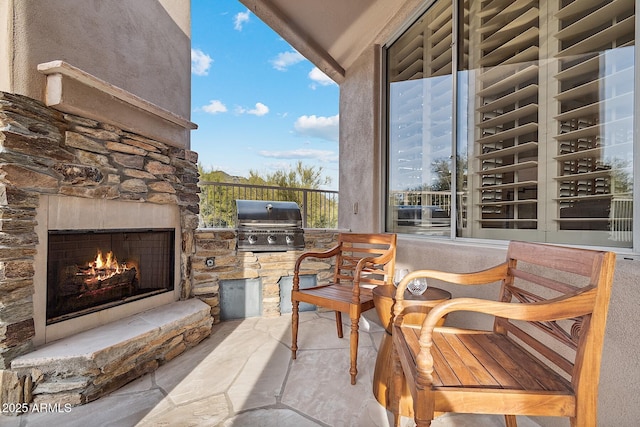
<point>360,184</point>
<point>362,181</point>
<point>136,45</point>
<point>360,153</point>
<point>5,34</point>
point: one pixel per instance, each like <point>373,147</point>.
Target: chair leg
<point>423,408</point>
<point>355,321</point>
<point>294,328</point>
<point>510,421</point>
<point>339,324</point>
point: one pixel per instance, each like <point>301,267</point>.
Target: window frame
<point>496,235</point>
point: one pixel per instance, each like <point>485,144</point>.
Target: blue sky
<point>258,103</point>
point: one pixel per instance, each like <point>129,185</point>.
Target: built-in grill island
<point>268,226</point>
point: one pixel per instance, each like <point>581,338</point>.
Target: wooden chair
<point>362,261</point>
<point>542,357</point>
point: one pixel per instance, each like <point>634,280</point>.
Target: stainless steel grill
<point>268,226</point>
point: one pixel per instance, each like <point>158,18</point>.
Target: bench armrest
<point>482,277</point>
<point>565,307</point>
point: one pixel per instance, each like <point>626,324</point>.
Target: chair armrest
<point>483,277</point>
<point>361,266</point>
<point>382,259</point>
<point>323,254</point>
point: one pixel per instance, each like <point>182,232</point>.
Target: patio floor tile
<point>243,375</point>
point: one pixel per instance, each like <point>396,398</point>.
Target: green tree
<point>216,204</point>
<point>322,211</point>
<point>299,177</point>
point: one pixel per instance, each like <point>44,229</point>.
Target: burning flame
<point>102,268</point>
<point>100,263</point>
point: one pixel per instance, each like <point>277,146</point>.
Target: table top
<point>416,307</point>
<point>432,293</point>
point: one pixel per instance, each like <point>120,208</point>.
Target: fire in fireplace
<point>89,271</point>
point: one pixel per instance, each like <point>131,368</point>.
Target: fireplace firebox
<point>88,270</point>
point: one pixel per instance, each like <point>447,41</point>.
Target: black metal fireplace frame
<point>170,285</point>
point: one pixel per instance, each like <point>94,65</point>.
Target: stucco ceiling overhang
<point>330,33</point>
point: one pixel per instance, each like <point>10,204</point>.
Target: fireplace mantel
<point>75,91</point>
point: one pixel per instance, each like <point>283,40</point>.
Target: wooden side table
<point>416,309</point>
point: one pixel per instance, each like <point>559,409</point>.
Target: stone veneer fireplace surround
<point>62,171</point>
<point>74,213</point>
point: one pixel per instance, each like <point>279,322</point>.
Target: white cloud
<point>240,19</point>
<point>320,78</point>
<point>318,127</point>
<point>259,110</point>
<point>200,62</point>
<point>302,153</point>
<point>215,107</point>
<point>286,59</point>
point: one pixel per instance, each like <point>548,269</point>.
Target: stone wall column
<point>17,250</point>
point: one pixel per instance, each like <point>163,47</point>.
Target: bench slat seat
<point>485,360</point>
<point>337,296</point>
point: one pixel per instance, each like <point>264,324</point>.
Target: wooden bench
<point>542,357</point>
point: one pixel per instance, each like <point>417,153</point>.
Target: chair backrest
<point>355,246</point>
<point>540,272</point>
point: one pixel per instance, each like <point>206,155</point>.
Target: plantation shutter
<point>594,118</point>
<point>506,46</point>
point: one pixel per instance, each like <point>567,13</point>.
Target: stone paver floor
<point>243,375</point>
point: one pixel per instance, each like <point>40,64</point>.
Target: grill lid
<point>260,213</point>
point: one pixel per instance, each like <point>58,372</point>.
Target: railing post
<point>304,208</point>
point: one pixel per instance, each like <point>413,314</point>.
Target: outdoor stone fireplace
<point>71,186</point>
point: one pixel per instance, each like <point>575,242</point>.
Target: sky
<point>258,103</point>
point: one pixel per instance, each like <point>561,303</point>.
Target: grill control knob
<point>271,239</point>
<point>289,239</point>
<point>252,239</point>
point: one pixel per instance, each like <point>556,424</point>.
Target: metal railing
<point>621,218</point>
<point>442,199</point>
<point>319,208</point>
